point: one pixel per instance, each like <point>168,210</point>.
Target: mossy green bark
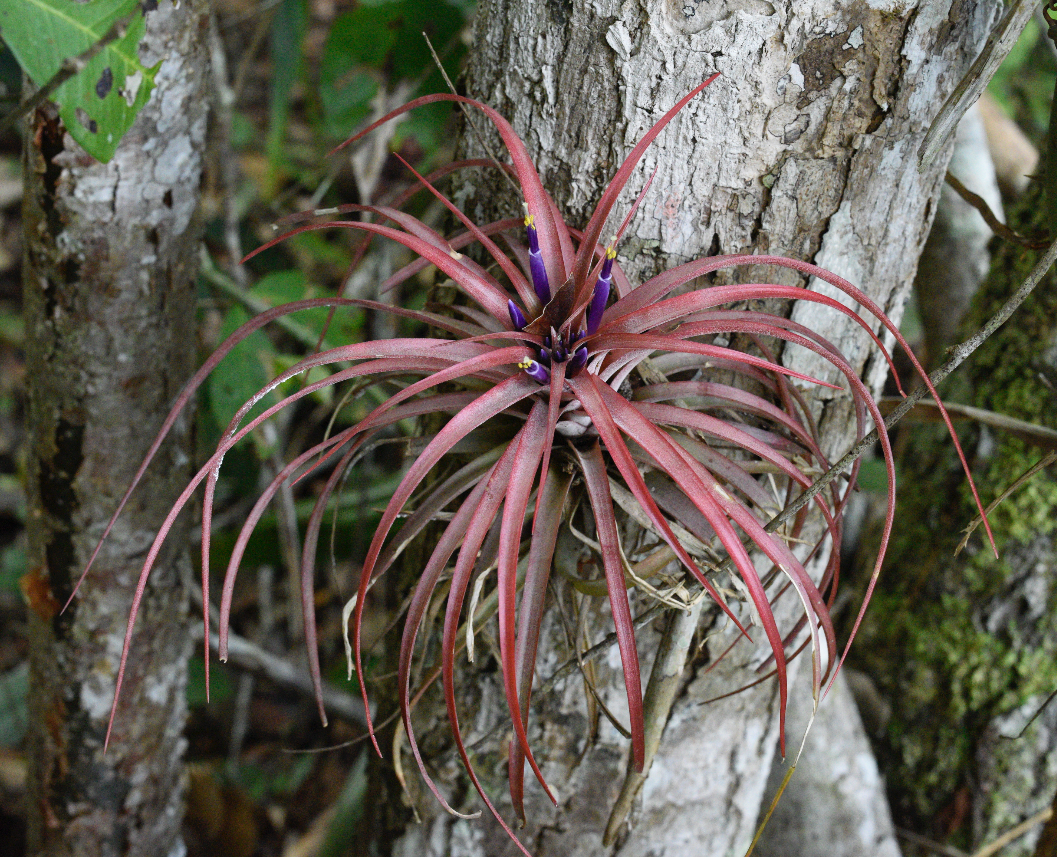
<point>957,643</point>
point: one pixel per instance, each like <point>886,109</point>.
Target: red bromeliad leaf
<point>527,456</point>
<point>593,467</point>
<point>549,399</point>
<point>482,409</point>
<point>546,523</point>
<point>609,196</point>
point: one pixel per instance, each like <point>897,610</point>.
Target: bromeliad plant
<point>588,395</point>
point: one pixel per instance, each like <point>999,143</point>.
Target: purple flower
<point>517,317</point>
<point>534,370</point>
<point>537,268</point>
<point>601,292</point>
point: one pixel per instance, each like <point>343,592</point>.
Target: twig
<point>1032,433</point>
<point>959,354</point>
<point>931,844</point>
<point>999,44</point>
<point>226,285</point>
<point>472,125</point>
<point>224,99</point>
<point>70,67</point>
<point>1014,833</point>
<point>267,12</point>
<point>1042,464</point>
<point>988,850</point>
<point>996,225</point>
<point>289,535</point>
<point>661,691</point>
<point>1048,28</point>
<point>1035,716</point>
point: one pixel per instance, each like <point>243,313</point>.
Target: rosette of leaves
<point>579,394</point>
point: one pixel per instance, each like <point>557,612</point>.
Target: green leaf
<point>440,21</point>
<point>221,688</point>
<point>238,378</point>
<point>347,812</point>
<point>381,41</point>
<point>287,55</point>
<point>98,104</point>
<point>283,287</point>
<point>363,36</point>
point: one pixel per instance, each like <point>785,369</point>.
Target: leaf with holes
<point>98,104</point>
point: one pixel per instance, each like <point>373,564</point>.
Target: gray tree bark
<point>805,146</point>
<point>111,253</point>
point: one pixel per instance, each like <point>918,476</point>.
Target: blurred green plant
<point>1023,84</point>
<point>287,39</point>
<point>348,811</point>
<point>378,45</point>
<point>374,56</point>
<point>14,713</point>
<point>221,687</point>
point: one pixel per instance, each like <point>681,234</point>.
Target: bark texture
<point>834,805</point>
<point>964,646</point>
<point>111,253</point>
<point>805,146</point>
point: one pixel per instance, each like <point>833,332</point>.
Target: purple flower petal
<point>536,267</point>
<point>534,370</point>
<point>517,317</point>
<point>601,293</point>
<point>578,361</point>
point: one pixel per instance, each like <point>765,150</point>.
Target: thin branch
<point>999,44</point>
<point>928,411</point>
<point>267,13</point>
<point>996,225</point>
<point>224,100</point>
<point>931,844</point>
<point>1021,480</point>
<point>70,67</point>
<point>1002,841</point>
<point>661,692</point>
<point>959,353</point>
<point>1048,27</point>
<point>469,121</point>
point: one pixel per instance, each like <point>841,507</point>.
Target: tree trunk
<point>805,146</point>
<point>963,646</point>
<point>111,253</point>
